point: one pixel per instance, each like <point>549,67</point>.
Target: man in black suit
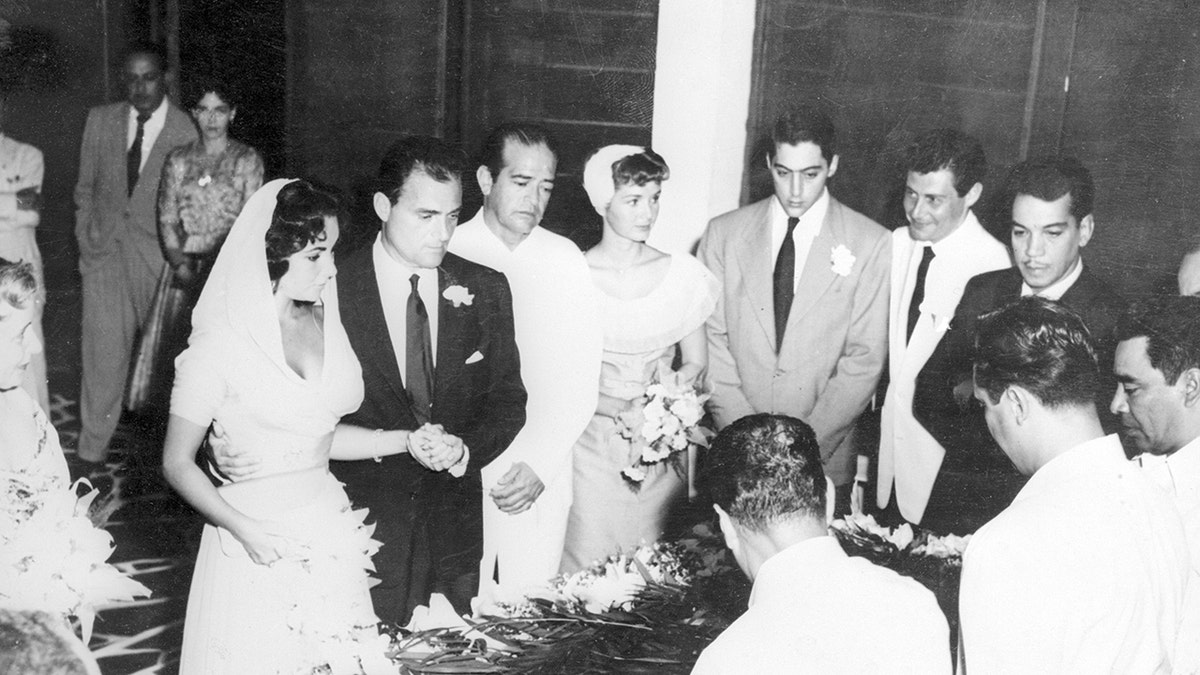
<point>463,401</point>
<point>1051,211</point>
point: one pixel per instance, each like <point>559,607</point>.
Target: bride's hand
<point>264,545</point>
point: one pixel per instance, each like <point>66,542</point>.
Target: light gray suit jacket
<point>108,220</point>
<point>835,343</point>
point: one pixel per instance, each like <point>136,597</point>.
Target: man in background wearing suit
<point>800,326</point>
<point>120,163</point>
<point>435,335</point>
<point>942,247</point>
<point>1051,213</point>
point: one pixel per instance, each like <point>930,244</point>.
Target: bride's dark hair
<point>299,219</point>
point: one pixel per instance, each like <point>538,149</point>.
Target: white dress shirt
<point>558,334</point>
<point>1084,573</point>
<point>150,131</point>
<point>1178,475</point>
<point>807,229</point>
<point>814,609</point>
<point>1056,290</point>
<point>394,288</point>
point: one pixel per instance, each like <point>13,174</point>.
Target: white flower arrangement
<point>842,260</point>
<point>865,530</point>
<point>459,295</point>
<point>52,558</point>
<point>667,424</point>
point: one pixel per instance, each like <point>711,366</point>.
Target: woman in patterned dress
<point>204,185</point>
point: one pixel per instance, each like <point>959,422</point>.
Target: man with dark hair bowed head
<point>813,609</point>
<point>527,489</point>
<point>1050,204</point>
<point>943,246</point>
<point>800,326</point>
<point>1086,571</point>
<point>120,163</point>
<point>1157,367</point>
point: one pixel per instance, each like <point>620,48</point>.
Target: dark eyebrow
<point>814,167</point>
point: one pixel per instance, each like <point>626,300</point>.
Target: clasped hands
<point>435,449</point>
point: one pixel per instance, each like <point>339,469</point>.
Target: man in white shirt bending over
<point>1086,571</point>
<point>527,489</point>
<point>813,609</point>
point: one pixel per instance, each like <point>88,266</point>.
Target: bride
<point>281,580</point>
<point>653,306</point>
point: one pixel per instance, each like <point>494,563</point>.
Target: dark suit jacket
<point>430,523</point>
<point>950,364</point>
<point>108,221</point>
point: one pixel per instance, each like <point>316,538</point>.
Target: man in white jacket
<point>527,489</point>
<point>932,259</point>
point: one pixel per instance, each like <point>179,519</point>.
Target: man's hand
<point>963,393</point>
<point>435,449</point>
<point>235,463</point>
<point>517,489</point>
<point>29,199</point>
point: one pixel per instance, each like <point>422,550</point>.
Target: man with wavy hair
<point>1086,570</point>
<point>774,504</point>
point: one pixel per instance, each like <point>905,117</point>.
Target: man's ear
<point>830,500</point>
<point>1087,226</point>
<point>383,206</point>
<point>833,165</point>
<point>1189,380</point>
<point>1019,401</point>
<point>973,194</point>
<point>483,176</point>
<point>727,528</point>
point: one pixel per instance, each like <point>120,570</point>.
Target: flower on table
<point>842,260</point>
<point>459,295</point>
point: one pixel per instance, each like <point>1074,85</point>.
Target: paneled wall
<point>1111,82</point>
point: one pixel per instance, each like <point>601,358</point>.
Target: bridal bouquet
<point>669,423</point>
<point>53,558</point>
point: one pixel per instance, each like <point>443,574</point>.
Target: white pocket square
<point>474,358</point>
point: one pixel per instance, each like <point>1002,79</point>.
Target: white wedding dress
<point>313,607</point>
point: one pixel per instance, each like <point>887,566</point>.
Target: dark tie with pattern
<point>420,355</point>
<point>133,160</point>
<point>914,308</point>
<point>785,281</point>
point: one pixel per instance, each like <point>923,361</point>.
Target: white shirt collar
<point>809,224</point>
<point>393,278</point>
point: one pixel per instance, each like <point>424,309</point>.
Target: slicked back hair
<point>1051,178</point>
<point>949,149</point>
<point>764,469</point>
<point>432,156</point>
<point>1041,346</point>
<point>1171,327</point>
<point>804,124</point>
<point>524,133</point>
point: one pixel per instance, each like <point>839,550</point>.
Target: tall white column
<point>701,103</point>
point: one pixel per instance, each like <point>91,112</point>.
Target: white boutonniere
<point>842,259</point>
<point>459,295</point>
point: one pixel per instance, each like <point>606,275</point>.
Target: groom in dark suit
<point>434,333</point>
<point>1051,223</point>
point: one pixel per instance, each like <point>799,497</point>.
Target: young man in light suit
<point>120,163</point>
<point>800,327</point>
<point>932,259</point>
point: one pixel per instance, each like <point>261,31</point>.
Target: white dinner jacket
<point>908,455</point>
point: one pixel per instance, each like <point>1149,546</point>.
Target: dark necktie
<point>914,308</point>
<point>785,281</point>
<point>133,160</point>
<point>420,354</point>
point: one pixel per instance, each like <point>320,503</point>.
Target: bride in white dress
<point>281,580</point>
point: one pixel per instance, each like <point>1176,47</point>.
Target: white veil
<point>237,296</point>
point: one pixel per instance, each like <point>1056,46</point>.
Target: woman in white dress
<point>652,307</point>
<point>281,583</point>
<point>31,459</point>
